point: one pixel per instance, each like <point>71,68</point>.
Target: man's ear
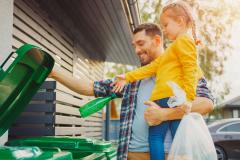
<point>157,39</point>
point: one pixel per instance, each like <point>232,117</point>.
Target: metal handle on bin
<point>9,56</point>
<point>51,148</point>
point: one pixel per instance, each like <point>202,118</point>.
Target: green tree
<point>113,69</point>
<point>150,10</point>
<point>214,20</point>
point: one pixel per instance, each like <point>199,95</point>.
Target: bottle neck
<point>113,95</point>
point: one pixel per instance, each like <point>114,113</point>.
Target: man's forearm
<point>172,114</point>
<point>82,86</point>
<point>201,105</point>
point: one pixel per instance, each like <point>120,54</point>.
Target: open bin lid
<point>64,143</point>
<point>31,153</point>
<point>20,81</point>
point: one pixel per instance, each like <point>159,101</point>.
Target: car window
<point>231,128</point>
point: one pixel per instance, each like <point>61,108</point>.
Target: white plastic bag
<point>192,140</point>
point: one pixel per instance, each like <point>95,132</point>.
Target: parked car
<point>226,137</point>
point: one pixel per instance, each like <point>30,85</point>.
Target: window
<point>235,113</point>
<point>231,128</point>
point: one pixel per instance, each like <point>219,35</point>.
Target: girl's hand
<point>121,77</point>
<point>119,83</point>
<point>186,107</point>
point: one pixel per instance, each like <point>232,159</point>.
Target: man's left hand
<point>154,114</point>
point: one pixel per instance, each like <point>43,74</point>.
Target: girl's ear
<point>157,39</point>
<point>180,20</point>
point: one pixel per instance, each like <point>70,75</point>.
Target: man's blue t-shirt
<point>139,137</point>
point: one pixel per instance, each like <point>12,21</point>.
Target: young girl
<point>178,63</point>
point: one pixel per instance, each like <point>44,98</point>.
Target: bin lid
<point>54,141</point>
<point>111,152</point>
<point>20,81</point>
<point>31,153</point>
<point>101,145</point>
<point>64,143</point>
<point>81,155</point>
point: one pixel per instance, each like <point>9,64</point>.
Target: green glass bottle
<point>95,105</point>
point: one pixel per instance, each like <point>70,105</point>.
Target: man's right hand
<point>56,72</point>
<point>51,74</point>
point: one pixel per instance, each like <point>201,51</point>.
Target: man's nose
<point>137,50</point>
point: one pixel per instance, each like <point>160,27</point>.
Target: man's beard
<point>144,64</point>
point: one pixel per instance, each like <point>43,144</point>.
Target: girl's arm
<point>186,51</point>
<point>140,73</point>
<point>143,72</point>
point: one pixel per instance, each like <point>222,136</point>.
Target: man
<point>133,136</point>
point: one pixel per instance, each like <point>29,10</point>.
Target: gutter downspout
<point>131,9</point>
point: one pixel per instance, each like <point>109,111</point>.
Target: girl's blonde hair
<point>181,8</point>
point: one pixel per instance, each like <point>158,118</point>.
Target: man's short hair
<point>151,29</point>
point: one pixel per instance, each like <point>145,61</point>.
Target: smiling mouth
<point>143,53</point>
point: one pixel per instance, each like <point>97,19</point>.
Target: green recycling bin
<point>111,153</point>
<point>31,153</point>
<point>20,81</point>
<point>18,84</point>
<point>78,155</point>
<point>78,146</point>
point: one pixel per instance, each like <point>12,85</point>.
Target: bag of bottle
<point>192,140</point>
